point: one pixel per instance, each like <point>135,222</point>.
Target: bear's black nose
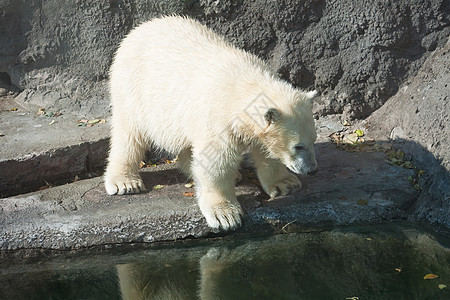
<point>313,172</point>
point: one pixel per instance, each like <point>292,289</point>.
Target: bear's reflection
<point>243,272</point>
<point>179,279</point>
<point>321,265</point>
<point>149,281</point>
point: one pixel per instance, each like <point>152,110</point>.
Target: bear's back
<point>173,74</point>
<point>181,42</point>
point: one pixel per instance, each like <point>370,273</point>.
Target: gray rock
<point>417,118</point>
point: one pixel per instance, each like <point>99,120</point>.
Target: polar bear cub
<point>178,86</point>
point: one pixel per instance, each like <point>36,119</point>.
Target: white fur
<point>177,85</point>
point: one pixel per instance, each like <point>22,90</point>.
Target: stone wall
<point>356,53</point>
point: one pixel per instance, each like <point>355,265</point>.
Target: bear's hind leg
<point>122,173</point>
<point>185,161</point>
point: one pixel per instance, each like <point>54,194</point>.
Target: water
<point>376,262</point>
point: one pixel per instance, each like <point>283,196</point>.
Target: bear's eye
<point>299,148</point>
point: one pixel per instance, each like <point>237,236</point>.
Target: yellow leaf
<point>430,276</point>
<point>95,121</point>
<point>359,132</point>
<point>14,109</point>
<point>158,187</point>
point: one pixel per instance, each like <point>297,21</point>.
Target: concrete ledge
<point>350,188</point>
<point>36,150</point>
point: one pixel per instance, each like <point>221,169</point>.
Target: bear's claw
<point>122,187</point>
<point>224,217</point>
<point>285,186</point>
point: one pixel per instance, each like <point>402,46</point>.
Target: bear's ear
<point>310,96</point>
<point>272,115</point>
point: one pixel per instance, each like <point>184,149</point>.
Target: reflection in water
<point>154,281</point>
<point>365,263</point>
<point>328,265</point>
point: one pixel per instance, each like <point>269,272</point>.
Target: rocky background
<point>385,59</point>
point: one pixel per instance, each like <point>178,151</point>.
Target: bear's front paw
<point>283,187</point>
<point>121,186</point>
<point>225,216</point>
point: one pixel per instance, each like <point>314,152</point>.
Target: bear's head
<point>290,134</point>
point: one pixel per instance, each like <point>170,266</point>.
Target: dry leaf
<point>188,194</point>
<point>398,270</point>
<point>346,123</point>
<point>189,185</point>
<point>352,138</point>
<point>430,276</point>
<point>90,123</point>
<point>362,202</point>
<point>442,286</point>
